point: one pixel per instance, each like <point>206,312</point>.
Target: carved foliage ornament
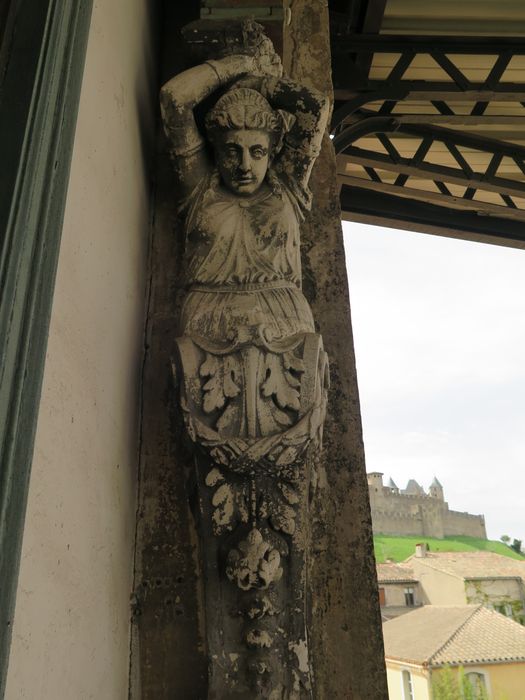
<point>250,366</point>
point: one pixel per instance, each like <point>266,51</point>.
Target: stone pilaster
<point>171,605</point>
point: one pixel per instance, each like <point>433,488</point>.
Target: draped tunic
<point>243,263</point>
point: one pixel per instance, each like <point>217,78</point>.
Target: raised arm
<point>178,98</point>
<point>302,143</point>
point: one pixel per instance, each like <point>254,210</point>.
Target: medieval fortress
<point>411,511</point>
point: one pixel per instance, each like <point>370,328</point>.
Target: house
<point>456,646</point>
<point>457,578</point>
<point>399,591</point>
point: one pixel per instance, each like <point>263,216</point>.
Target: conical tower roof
<point>392,484</point>
<point>435,482</point>
<point>414,488</point>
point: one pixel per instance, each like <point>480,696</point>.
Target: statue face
<point>243,156</point>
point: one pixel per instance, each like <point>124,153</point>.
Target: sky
<point>439,329</point>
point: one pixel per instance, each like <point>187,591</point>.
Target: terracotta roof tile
<point>390,573</point>
<point>436,635</point>
<point>473,564</point>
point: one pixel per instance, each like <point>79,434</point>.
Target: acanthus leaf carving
<point>223,376</point>
<point>230,503</point>
<point>281,384</point>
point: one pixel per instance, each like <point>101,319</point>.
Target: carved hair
<point>244,108</point>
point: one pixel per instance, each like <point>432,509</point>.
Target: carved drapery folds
<point>250,368</point>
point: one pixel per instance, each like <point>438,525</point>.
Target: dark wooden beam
<point>356,16</point>
<point>381,208</point>
<point>399,43</point>
<point>467,120</point>
<point>372,20</point>
<point>383,125</point>
<point>443,200</point>
<point>420,90</point>
<point>429,171</point>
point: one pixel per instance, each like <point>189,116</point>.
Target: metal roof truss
<point>419,123</point>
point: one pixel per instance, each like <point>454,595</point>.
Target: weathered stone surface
<point>345,630</point>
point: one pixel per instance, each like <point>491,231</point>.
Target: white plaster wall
<point>420,682</point>
<point>71,627</point>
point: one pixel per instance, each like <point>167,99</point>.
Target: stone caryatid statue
<point>251,369</point>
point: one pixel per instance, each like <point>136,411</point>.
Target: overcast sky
<point>439,327</point>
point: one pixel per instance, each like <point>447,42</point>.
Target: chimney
<point>421,550</point>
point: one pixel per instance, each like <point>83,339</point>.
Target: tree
<point>516,546</point>
<point>457,684</point>
<point>505,539</point>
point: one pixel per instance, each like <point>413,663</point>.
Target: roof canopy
<point>429,116</point>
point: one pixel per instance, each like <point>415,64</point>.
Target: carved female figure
<point>243,213</point>
<point>251,367</point>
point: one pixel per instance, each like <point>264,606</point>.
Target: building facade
<point>453,578</point>
<point>399,590</point>
<point>458,578</point>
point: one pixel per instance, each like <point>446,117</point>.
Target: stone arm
<point>302,143</point>
<point>178,98</point>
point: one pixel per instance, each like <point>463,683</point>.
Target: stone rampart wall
<point>456,523</point>
<point>400,501</point>
<point>420,514</point>
<point>397,523</point>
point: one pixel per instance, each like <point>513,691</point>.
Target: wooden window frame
<point>42,62</point>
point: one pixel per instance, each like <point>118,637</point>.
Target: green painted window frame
<point>42,62</point>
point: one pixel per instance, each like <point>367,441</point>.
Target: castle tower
<point>436,490</point>
<point>375,480</point>
<point>393,486</point>
<point>414,489</point>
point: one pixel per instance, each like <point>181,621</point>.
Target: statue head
<point>245,132</point>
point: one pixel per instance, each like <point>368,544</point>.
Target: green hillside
<point>400,548</point>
